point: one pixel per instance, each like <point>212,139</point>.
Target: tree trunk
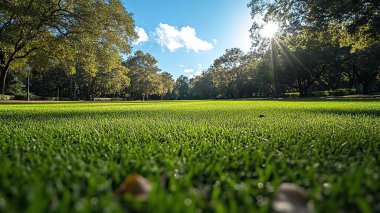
<point>303,93</point>
<point>75,90</point>
<point>58,94</point>
<point>3,77</point>
<point>71,87</point>
<point>365,88</point>
<point>3,71</point>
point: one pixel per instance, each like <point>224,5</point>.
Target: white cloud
<point>143,36</point>
<point>188,70</point>
<point>195,74</point>
<point>173,39</point>
<point>215,41</point>
<point>198,71</point>
<point>181,65</point>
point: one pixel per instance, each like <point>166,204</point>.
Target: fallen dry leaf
<point>135,185</point>
<point>291,198</point>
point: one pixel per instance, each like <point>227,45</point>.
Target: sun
<point>269,30</point>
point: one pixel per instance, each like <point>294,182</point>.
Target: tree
<point>181,87</point>
<point>261,78</point>
<point>143,74</point>
<point>68,30</point>
<point>367,67</point>
<point>335,58</point>
<point>166,84</point>
<point>302,70</point>
<point>351,23</point>
<point>201,86</point>
<point>228,74</point>
<point>108,83</point>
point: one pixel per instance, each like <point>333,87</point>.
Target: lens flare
<point>269,30</point>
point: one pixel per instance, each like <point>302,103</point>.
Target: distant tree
<point>367,67</point>
<point>228,74</point>
<point>181,87</point>
<point>201,86</point>
<point>53,82</point>
<point>166,84</point>
<point>143,74</point>
<point>261,78</point>
<point>109,83</point>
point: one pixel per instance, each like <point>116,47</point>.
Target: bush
<point>292,95</point>
<point>102,99</point>
<point>6,97</point>
<point>342,92</point>
<point>319,94</point>
<point>336,92</point>
<point>25,97</point>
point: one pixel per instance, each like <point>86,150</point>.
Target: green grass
<point>64,157</point>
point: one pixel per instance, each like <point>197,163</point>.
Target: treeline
<point>318,71</point>
<point>137,78</point>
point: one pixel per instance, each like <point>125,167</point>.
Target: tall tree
<point>166,84</point>
<point>352,23</point>
<point>65,29</point>
<point>201,86</point>
<point>367,67</point>
<point>181,87</point>
<point>228,73</point>
<point>143,74</point>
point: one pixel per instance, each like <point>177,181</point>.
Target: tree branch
<point>6,23</point>
<point>26,54</point>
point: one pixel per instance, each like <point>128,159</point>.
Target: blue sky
<point>185,36</point>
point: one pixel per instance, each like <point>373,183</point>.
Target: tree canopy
<point>351,23</point>
<point>86,33</point>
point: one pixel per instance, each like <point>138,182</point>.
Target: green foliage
<point>320,93</point>
<point>292,94</point>
<point>342,92</point>
<point>16,87</point>
<point>86,33</point>
<point>351,23</point>
<point>144,76</point>
<point>24,96</point>
<point>228,74</point>
<point>181,87</point>
<point>165,84</point>
<point>6,97</point>
<point>215,155</point>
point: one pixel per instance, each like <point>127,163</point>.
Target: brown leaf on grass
<point>291,198</point>
<point>135,185</point>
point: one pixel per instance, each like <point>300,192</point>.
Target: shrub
<point>319,93</point>
<point>292,95</point>
<point>6,97</point>
<point>24,97</point>
<point>342,92</point>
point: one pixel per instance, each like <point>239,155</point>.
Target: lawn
<point>200,156</point>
